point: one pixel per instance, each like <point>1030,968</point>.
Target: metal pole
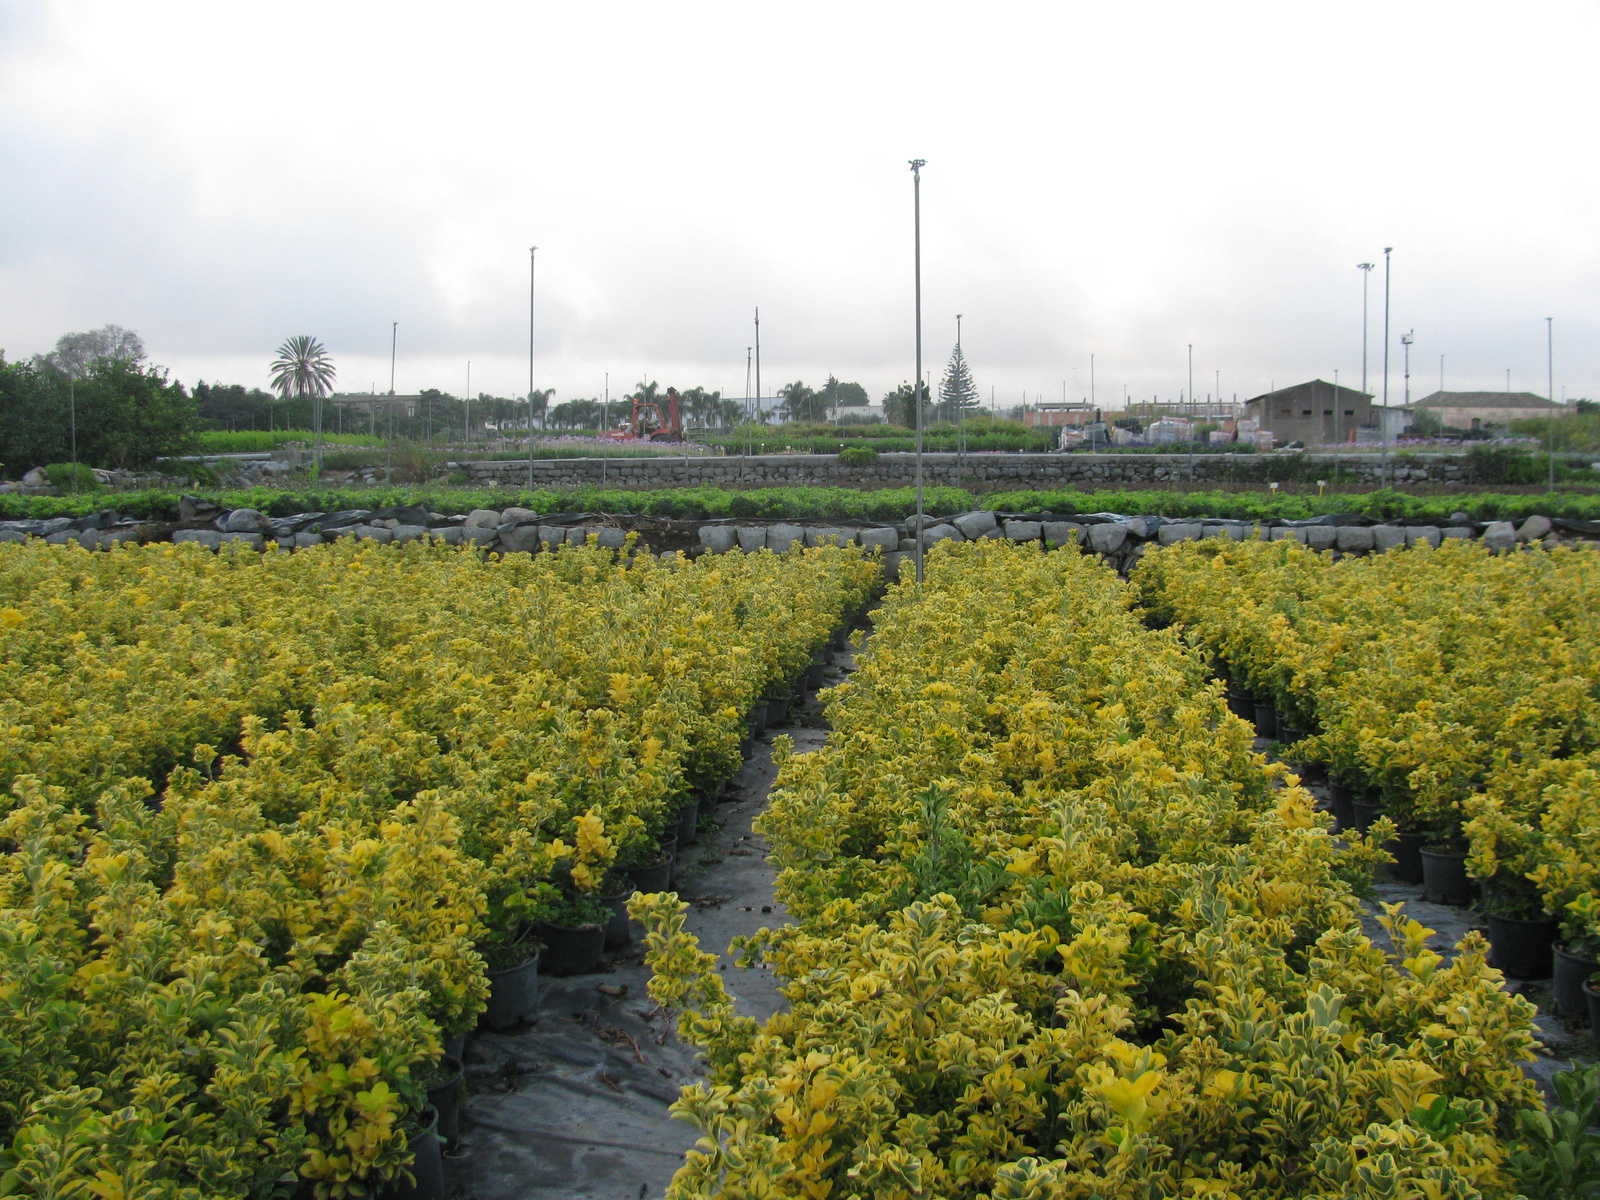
<point>605,422</point>
<point>758,356</point>
<point>1336,403</point>
<point>1191,412</point>
<point>1366,278</point>
<point>394,342</point>
<point>532,253</point>
<point>466,422</point>
<point>1384,470</point>
<point>916,390</point>
<point>961,418</point>
<point>1406,339</point>
<point>1550,366</point>
<point>72,420</point>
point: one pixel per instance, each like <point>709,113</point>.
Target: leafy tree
<point>129,415</point>
<point>230,406</point>
<point>33,416</point>
<point>801,403</point>
<point>844,395</point>
<point>75,351</point>
<point>956,389</point>
<point>900,409</point>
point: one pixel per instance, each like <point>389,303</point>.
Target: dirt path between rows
<point>575,1103</point>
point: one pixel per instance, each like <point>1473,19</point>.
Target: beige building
<point>1472,410</point>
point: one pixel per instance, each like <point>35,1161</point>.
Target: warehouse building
<point>1315,413</point>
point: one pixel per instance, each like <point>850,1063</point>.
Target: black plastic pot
<point>445,1097</point>
<point>513,995</point>
<point>571,949</point>
<point>456,1048</point>
<point>1592,998</point>
<point>1362,815</point>
<point>1407,851</point>
<point>618,934</point>
<point>812,678</point>
<point>689,823</point>
<point>1242,705</point>
<point>427,1165</point>
<point>1444,876</point>
<point>1266,717</point>
<point>1290,734</point>
<point>657,877</point>
<point>757,721</point>
<point>778,710</point>
<point>1568,974</point>
<point>1343,805</point>
<point>1522,949</point>
<point>841,638</point>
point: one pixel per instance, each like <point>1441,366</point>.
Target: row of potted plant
<point>247,966</point>
<point>1060,932</point>
<point>1456,692</point>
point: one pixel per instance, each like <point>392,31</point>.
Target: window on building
<point>1284,412</point>
<point>1349,412</point>
<point>1327,412</point>
<point>1305,412</point>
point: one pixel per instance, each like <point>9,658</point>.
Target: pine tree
<point>956,390</point>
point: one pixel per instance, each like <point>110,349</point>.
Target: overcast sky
<point>1115,180</point>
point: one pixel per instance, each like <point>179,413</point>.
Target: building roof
<point>1484,400</point>
<point>1320,386</point>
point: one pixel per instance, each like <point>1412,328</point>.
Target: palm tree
<point>303,369</point>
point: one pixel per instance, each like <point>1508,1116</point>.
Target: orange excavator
<point>648,423</point>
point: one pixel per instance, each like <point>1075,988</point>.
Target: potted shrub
<point>1521,933</point>
<point>574,934</point>
<point>1576,957</point>
<point>511,954</point>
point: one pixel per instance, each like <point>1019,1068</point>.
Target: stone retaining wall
<point>980,471</point>
<point>1120,539</point>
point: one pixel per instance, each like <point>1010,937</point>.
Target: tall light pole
<point>961,418</point>
<point>1549,364</point>
<point>532,253</point>
<point>1366,278</point>
<point>72,420</point>
<point>916,389</point>
<point>1336,403</point>
<point>1406,339</point>
<point>758,357</point>
<point>1384,472</point>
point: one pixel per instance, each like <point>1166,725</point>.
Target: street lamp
<point>1366,278</point>
<point>532,253</point>
<point>1549,362</point>
<point>916,389</point>
<point>1384,472</point>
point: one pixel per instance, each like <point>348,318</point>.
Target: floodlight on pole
<point>532,255</point>
<point>916,388</point>
<point>1549,364</point>
<point>1366,278</point>
<point>1384,472</point>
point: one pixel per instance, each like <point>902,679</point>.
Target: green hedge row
<point>825,502</point>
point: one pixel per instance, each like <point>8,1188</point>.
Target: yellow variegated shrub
<point>1061,933</point>
<point>1460,689</point>
<point>221,968</point>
